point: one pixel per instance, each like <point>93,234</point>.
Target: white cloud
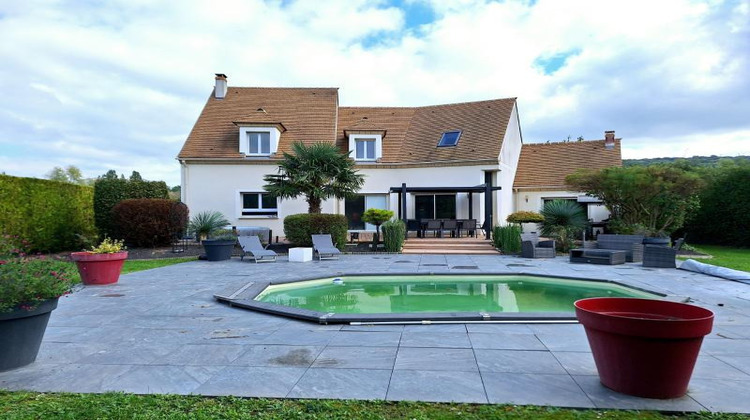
<point>118,85</point>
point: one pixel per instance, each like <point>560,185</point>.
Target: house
<point>462,160</point>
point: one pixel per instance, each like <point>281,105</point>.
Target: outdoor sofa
<point>631,244</point>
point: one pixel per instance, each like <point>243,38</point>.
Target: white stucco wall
<point>217,187</point>
<point>509,154</point>
<point>211,187</point>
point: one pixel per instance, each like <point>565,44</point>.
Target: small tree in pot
<point>376,217</point>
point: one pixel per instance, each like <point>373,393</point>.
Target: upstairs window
<point>259,204</point>
<point>259,142</point>
<point>449,139</point>
<point>364,149</point>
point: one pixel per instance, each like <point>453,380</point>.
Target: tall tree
<point>71,175</point>
<point>318,171</point>
<point>653,199</point>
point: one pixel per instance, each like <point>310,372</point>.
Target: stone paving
<point>161,331</point>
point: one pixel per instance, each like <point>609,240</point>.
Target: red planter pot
<point>99,268</point>
<point>642,347</point>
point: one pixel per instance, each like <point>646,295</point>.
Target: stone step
<point>444,251</point>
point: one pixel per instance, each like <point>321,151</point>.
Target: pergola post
<point>471,205</point>
<point>403,207</point>
<point>488,210</point>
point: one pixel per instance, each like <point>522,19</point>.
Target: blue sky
<point>119,84</point>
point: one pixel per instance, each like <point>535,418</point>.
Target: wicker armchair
<point>661,256</point>
<point>532,247</point>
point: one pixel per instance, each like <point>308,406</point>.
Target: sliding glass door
<point>438,206</point>
<point>353,209</point>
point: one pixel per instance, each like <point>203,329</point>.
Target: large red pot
<point>99,268</point>
<point>644,347</point>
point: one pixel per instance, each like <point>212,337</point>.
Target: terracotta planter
<point>21,334</point>
<point>99,268</point>
<point>642,347</point>
<point>218,249</point>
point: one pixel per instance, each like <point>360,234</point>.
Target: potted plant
<point>376,217</point>
<point>644,347</point>
<point>101,264</point>
<point>29,290</point>
<point>219,245</point>
<point>208,228</point>
<point>205,223</point>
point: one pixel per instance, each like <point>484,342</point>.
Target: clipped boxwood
<point>52,216</point>
<point>149,222</point>
<point>298,228</point>
<point>525,217</point>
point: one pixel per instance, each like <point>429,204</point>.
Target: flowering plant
<point>108,246</point>
<point>25,282</point>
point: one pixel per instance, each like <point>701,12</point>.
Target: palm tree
<point>318,171</point>
<point>562,220</point>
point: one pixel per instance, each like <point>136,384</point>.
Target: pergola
<point>485,189</point>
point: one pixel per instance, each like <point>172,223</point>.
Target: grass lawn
<point>31,405</point>
<point>131,266</point>
<point>724,256</point>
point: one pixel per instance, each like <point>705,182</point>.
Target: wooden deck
<point>471,246</point>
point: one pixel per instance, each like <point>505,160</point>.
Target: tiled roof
<point>308,114</point>
<point>545,165</point>
<point>413,133</point>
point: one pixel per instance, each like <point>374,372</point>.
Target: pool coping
<point>244,297</point>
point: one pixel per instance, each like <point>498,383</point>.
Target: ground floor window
<point>438,206</point>
<point>354,207</point>
<point>259,204</point>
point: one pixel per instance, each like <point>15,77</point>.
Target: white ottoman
<point>300,254</point>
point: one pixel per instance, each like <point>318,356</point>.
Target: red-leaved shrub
<point>149,222</point>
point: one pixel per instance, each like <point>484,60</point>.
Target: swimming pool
<point>385,298</point>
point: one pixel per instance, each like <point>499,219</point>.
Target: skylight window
<point>449,138</point>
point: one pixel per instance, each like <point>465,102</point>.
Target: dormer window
<point>366,147</point>
<point>449,139</point>
<point>259,142</point>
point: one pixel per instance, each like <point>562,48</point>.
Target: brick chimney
<point>220,91</point>
<point>609,140</point>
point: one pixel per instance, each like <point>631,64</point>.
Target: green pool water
<point>460,293</point>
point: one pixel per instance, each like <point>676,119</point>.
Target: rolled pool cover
<point>712,270</point>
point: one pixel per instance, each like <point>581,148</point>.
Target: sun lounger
<point>323,246</point>
<point>251,245</point>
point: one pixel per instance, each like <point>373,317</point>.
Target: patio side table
<point>300,254</point>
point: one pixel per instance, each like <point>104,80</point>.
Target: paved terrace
<point>160,331</point>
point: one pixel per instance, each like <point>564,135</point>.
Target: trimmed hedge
<point>525,217</point>
<point>110,190</point>
<point>149,222</point>
<point>724,214</point>
<point>299,228</point>
<point>53,216</point>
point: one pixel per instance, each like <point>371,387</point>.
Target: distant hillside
<point>695,160</point>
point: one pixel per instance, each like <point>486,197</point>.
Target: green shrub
<point>149,222</point>
<point>110,190</point>
<point>507,238</point>
<point>724,214</point>
<point>563,220</point>
<point>50,215</point>
<point>299,228</point>
<point>206,223</point>
<point>394,232</point>
<point>376,217</point>
<point>525,217</point>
